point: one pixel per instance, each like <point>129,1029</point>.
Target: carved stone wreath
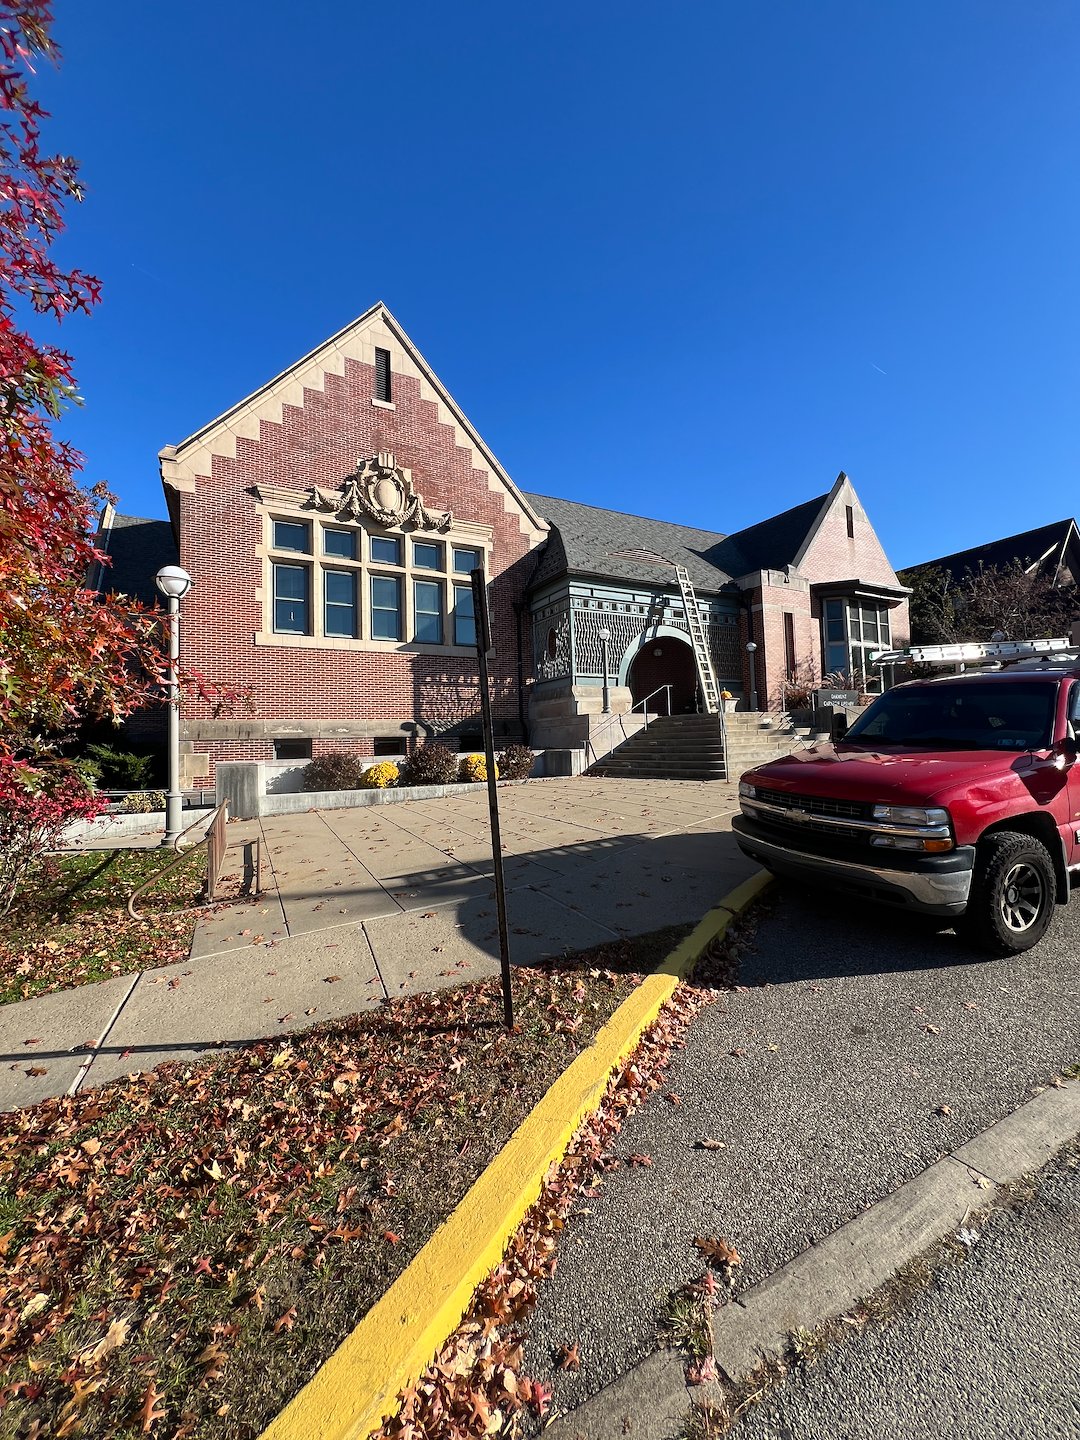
<point>381,491</point>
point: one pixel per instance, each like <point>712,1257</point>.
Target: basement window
<point>387,745</point>
<point>292,749</point>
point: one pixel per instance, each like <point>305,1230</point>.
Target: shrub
<point>378,777</point>
<point>431,764</point>
<point>37,802</point>
<point>474,767</point>
<point>336,771</point>
<point>114,769</point>
<point>141,802</point>
<point>516,762</point>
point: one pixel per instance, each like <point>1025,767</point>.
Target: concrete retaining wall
<point>121,826</point>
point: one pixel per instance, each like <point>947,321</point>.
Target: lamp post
<point>174,584</point>
<point>605,639</point>
<point>751,647</point>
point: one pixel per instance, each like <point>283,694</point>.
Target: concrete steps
<point>689,747</point>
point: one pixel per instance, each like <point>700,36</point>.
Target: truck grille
<point>818,805</point>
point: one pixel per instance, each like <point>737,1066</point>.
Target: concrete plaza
<point>362,905</point>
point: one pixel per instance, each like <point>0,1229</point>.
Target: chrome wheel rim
<point>1022,896</point>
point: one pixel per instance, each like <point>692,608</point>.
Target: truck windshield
<point>966,715</point>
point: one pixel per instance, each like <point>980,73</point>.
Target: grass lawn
<point>181,1250</point>
<point>70,926</point>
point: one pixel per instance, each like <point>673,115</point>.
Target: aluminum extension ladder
<point>698,638</point>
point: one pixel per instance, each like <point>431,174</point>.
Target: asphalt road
<point>990,1352</point>
<point>824,1079</point>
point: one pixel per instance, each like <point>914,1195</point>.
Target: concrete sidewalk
<point>363,905</point>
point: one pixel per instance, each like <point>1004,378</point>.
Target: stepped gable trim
<point>182,464</point>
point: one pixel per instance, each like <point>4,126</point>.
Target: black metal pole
<point>483,645</point>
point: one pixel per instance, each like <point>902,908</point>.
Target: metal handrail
<point>215,841</point>
<point>622,716</point>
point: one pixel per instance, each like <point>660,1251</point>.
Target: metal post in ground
<point>483,645</point>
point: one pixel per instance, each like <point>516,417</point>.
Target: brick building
<point>330,521</point>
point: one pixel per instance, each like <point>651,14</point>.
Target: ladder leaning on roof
<point>696,625</point>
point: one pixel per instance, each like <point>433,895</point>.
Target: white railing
<point>590,748</point>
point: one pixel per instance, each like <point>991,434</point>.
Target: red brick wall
<point>220,534</point>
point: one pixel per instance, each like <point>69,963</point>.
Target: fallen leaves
<point>719,1252</point>
<point>568,1357</point>
<point>708,1143</point>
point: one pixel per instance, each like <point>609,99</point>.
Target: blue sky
<point>688,260</point>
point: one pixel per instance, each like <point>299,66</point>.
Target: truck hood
<point>850,772</point>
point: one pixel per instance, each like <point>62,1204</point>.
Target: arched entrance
<point>665,660</point>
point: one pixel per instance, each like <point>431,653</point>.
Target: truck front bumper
<point>930,884</point>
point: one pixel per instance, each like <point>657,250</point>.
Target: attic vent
<point>642,557</point>
<point>382,375</point>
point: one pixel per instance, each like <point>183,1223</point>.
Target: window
<point>789,643</point>
<point>385,607</point>
<point>341,544</point>
<point>427,555</point>
<point>850,513</point>
<point>292,749</point>
<point>471,743</point>
<point>466,561</point>
<point>339,600</point>
<point>389,746</point>
<point>854,630</point>
<point>385,550</point>
<point>291,599</point>
<point>464,615</point>
<point>382,375</point>
<point>428,610</point>
<point>292,535</point>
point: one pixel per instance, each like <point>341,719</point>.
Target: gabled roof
<point>587,540</point>
<point>138,549</point>
<point>181,464</point>
<point>770,544</point>
<point>1045,545</point>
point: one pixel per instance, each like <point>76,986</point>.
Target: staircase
<point>749,743</point>
<point>689,747</point>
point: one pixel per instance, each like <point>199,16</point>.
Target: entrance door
<point>665,661</point>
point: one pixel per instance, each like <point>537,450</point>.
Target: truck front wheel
<point>1013,893</point>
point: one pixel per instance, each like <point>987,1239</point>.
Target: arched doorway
<point>665,661</point>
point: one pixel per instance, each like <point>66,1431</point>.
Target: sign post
<point>483,645</point>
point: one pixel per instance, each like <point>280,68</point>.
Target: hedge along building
<point>330,522</point>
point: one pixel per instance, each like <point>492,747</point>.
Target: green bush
<point>113,769</point>
<point>516,762</point>
<point>431,764</point>
<point>336,771</point>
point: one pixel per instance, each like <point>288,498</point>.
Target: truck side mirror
<point>838,727</point>
<point>1068,750</point>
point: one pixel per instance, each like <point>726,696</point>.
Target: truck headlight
<point>911,815</point>
<point>746,791</point>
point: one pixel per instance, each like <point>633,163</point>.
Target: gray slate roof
<point>586,540</point>
<point>1025,548</point>
<point>137,548</point>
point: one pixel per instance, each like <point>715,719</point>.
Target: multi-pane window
<point>464,616</point>
<point>854,630</point>
<point>341,544</point>
<point>339,601</point>
<point>466,561</point>
<point>385,607</point>
<point>428,611</point>
<point>292,535</point>
<point>338,582</point>
<point>291,611</point>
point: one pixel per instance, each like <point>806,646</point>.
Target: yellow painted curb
<point>358,1385</point>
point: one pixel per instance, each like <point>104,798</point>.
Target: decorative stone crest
<point>383,492</point>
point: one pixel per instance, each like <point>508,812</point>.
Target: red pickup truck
<point>957,797</point>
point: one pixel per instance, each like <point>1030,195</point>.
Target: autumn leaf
<point>718,1252</point>
<point>707,1143</point>
<point>149,1411</point>
<point>286,1321</point>
<point>568,1357</point>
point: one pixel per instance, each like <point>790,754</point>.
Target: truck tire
<point>1013,894</point>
